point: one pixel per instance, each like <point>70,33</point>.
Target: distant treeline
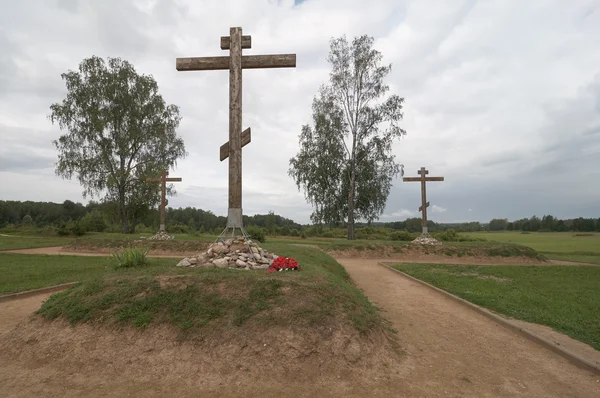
<point>103,217</point>
<point>75,218</point>
<point>547,223</point>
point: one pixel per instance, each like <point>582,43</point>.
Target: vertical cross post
<point>163,196</point>
<point>234,213</point>
<point>232,149</point>
<point>424,203</point>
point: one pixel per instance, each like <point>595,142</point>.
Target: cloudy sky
<point>502,96</point>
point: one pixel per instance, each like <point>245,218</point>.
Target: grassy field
<point>12,242</point>
<point>321,290</point>
<point>555,245</point>
<point>564,298</point>
<point>26,271</point>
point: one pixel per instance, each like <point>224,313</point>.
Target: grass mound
<point>315,320</point>
<point>477,249</point>
<point>225,298</point>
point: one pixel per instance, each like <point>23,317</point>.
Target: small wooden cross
<point>163,198</point>
<point>424,203</point>
<point>235,62</point>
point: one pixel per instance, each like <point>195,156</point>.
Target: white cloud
<point>438,209</point>
<point>502,97</point>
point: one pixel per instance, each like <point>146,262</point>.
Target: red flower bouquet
<point>283,264</point>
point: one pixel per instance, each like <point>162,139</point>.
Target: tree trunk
<point>123,212</point>
<point>351,189</point>
<point>351,205</point>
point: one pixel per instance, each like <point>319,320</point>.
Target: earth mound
<point>447,253</point>
<point>213,326</point>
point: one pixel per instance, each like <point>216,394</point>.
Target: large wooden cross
<point>235,62</point>
<point>163,197</point>
<point>424,203</point>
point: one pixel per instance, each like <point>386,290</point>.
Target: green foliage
<point>27,220</point>
<point>130,257</point>
<point>71,228</point>
<point>118,132</point>
<point>403,236</point>
<point>93,222</point>
<point>498,224</point>
<point>345,164</point>
<point>563,298</point>
<point>452,236</point>
<point>256,233</point>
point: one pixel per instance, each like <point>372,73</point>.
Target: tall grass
<point>130,257</point>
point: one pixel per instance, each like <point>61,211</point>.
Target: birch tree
<point>345,164</point>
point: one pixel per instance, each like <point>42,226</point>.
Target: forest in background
<point>70,218</point>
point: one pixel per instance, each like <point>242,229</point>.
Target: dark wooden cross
<point>424,203</point>
<point>163,197</point>
<point>235,62</point>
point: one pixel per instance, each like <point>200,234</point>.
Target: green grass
<point>315,296</point>
<point>130,257</point>
<point>13,241</point>
<point>22,272</point>
<point>564,298</point>
<point>554,245</point>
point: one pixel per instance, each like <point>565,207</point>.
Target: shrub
<point>130,257</point>
<point>403,236</point>
<point>93,221</point>
<point>302,235</point>
<point>71,228</point>
<point>256,233</point>
<point>177,228</point>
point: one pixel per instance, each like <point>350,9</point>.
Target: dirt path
<point>60,251</point>
<point>454,351</point>
<point>12,312</point>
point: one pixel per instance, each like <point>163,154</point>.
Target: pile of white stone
<point>426,239</point>
<point>161,235</point>
<point>238,253</point>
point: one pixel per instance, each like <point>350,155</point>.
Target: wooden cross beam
<point>424,204</point>
<point>163,197</point>
<point>224,150</point>
<point>235,62</point>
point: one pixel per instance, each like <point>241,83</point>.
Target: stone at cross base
<point>238,253</point>
<point>425,238</point>
<point>232,149</point>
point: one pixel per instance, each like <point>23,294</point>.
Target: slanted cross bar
<point>424,203</point>
<point>235,62</point>
<point>163,197</point>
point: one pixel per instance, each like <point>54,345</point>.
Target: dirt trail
<point>454,351</point>
<point>60,251</point>
<point>12,312</point>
